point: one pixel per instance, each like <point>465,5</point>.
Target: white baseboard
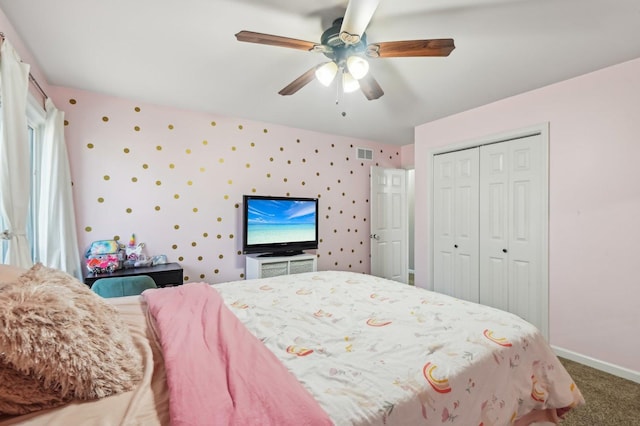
<point>616,370</point>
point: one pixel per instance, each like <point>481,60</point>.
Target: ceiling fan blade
<point>407,48</point>
<point>370,87</point>
<point>273,40</point>
<point>356,19</point>
<point>299,82</point>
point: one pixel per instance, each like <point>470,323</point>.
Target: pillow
<point>56,331</point>
<point>10,273</point>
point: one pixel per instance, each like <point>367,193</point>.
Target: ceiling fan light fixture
<point>349,84</point>
<point>326,72</point>
<point>358,66</point>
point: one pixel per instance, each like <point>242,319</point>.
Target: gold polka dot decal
<point>213,124</point>
<point>189,182</point>
<point>134,179</point>
<point>157,208</point>
<point>88,229</point>
<point>265,131</point>
<point>105,119</point>
<point>170,126</point>
<point>129,210</point>
<point>145,166</point>
<point>137,109</point>
<point>66,122</point>
<point>205,143</point>
<point>106,177</point>
<point>158,183</point>
<point>205,235</point>
<point>90,145</point>
<point>176,227</point>
<point>188,151</point>
<point>172,166</point>
<point>72,101</point>
<point>100,200</point>
<point>136,128</point>
<point>240,127</point>
<point>158,148</point>
<point>126,150</point>
<point>176,196</point>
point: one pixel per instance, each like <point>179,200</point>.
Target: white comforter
<point>373,351</point>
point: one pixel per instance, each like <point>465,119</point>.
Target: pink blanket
<point>217,371</point>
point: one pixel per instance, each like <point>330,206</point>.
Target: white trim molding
<point>616,370</point>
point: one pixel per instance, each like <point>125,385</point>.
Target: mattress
<point>370,351</point>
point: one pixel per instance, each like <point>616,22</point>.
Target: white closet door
<point>456,233</point>
<point>512,206</point>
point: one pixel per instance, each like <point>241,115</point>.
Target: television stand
<point>258,266</point>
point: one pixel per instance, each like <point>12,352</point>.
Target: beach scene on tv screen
<point>278,221</point>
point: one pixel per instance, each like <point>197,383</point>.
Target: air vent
<point>365,154</point>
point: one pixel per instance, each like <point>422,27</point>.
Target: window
<point>35,126</point>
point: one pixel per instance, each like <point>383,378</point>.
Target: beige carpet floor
<point>610,400</point>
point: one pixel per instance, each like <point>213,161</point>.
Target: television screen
<point>279,224</point>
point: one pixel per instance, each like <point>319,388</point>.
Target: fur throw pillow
<point>56,331</point>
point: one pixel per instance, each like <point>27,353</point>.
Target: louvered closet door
<point>510,226</point>
<point>455,216</point>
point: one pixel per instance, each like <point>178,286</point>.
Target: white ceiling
<point>184,54</point>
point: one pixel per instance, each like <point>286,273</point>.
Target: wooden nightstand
<point>169,274</point>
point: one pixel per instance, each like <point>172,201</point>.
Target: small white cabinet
<point>272,266</point>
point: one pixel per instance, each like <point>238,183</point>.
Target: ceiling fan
<point>345,44</point>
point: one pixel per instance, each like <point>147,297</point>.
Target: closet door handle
<point>504,250</point>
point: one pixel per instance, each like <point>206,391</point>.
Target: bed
<point>368,351</point>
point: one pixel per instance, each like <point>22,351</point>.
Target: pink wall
<point>176,178</point>
<point>594,200</point>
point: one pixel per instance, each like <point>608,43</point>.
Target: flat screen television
<point>279,226</point>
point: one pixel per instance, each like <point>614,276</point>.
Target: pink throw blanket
<point>218,373</point>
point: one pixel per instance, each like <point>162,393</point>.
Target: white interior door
<point>389,224</point>
<point>455,216</point>
<point>512,222</point>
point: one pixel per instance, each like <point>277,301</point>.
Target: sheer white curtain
<point>57,245</point>
<point>15,169</point>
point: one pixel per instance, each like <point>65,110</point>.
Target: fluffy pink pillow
<point>58,333</point>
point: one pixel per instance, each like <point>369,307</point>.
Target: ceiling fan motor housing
<point>337,50</point>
